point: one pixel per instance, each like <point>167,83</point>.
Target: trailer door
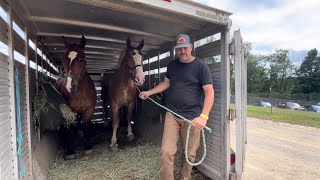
<point>241,103</point>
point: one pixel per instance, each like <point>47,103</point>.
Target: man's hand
<point>199,122</point>
<point>144,95</point>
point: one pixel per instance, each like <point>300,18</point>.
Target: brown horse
<point>119,87</point>
<point>78,90</point>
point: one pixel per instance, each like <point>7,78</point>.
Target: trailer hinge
<point>232,176</point>
<point>232,114</point>
<point>232,47</point>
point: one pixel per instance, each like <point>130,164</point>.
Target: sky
<point>274,24</point>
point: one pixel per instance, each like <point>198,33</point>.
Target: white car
<point>263,104</point>
<point>313,108</point>
<point>294,106</point>
<point>266,104</point>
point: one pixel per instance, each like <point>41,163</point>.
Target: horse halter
<point>134,67</point>
<point>73,77</point>
<point>131,69</point>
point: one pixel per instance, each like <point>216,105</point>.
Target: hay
<point>67,114</point>
<point>46,98</point>
<point>40,105</point>
<point>140,162</point>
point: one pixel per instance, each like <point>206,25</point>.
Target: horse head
<point>134,60</point>
<point>74,62</point>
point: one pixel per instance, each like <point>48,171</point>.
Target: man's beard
<point>183,56</point>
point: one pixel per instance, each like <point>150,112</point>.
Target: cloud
<point>274,24</point>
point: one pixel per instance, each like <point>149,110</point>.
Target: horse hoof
<point>88,151</point>
<point>114,147</point>
<point>69,157</point>
<point>130,137</point>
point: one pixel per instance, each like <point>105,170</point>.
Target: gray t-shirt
<point>185,95</point>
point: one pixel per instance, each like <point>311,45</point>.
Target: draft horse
<point>119,87</point>
<point>79,91</point>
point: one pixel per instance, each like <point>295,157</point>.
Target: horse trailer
<point>31,48</point>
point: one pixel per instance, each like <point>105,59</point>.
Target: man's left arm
<point>201,121</point>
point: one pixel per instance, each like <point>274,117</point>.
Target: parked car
<point>318,104</point>
<point>313,108</point>
<point>294,106</point>
<point>281,105</point>
<point>291,105</point>
<point>264,104</point>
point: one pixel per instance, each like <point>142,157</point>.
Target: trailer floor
<point>139,159</point>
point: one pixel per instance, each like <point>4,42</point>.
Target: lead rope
<point>22,167</point>
<point>187,139</point>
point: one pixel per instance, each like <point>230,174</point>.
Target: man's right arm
<point>164,85</point>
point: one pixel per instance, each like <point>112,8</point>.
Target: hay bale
<point>67,114</point>
<point>39,104</point>
<point>50,110</point>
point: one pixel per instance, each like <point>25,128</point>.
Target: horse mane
<point>122,54</point>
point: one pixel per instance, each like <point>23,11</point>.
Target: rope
<point>187,139</point>
<point>22,167</point>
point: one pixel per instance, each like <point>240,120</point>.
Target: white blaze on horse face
<point>72,55</point>
<point>68,85</point>
<point>138,61</point>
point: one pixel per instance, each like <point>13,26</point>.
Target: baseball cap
<point>182,40</point>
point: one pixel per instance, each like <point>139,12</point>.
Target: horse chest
<point>78,102</point>
<point>129,94</point>
<point>125,95</point>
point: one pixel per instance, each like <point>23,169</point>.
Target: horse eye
<point>133,53</point>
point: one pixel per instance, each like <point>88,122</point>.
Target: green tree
<point>281,70</point>
<point>257,79</point>
<point>309,73</point>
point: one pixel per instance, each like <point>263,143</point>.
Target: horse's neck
<point>85,77</point>
<point>123,73</point>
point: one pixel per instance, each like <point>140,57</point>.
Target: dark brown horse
<point>119,87</point>
<point>79,92</point>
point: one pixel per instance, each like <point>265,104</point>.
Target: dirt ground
<point>281,151</point>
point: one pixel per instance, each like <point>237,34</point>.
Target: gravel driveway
<point>281,151</point>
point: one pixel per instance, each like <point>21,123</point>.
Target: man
<point>191,95</point>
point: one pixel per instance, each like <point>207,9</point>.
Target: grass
<point>304,118</point>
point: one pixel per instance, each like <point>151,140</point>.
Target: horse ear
<point>66,44</point>
<point>128,43</point>
<point>141,45</point>
<point>83,42</point>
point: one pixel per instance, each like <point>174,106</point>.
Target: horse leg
<point>115,124</point>
<point>70,134</point>
<point>87,137</point>
<point>131,107</point>
<point>87,132</point>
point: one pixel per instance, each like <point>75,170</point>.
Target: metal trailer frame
<point>106,25</point>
